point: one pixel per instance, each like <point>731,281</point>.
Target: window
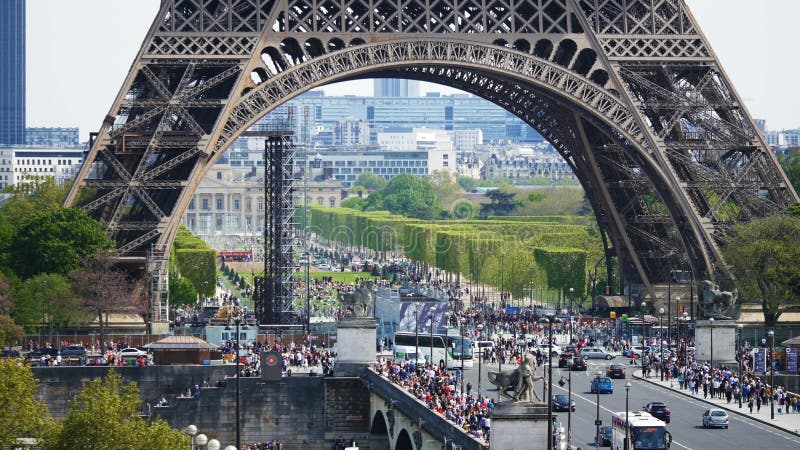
<point>219,175</point>
<point>219,204</point>
<point>191,204</point>
<point>261,204</point>
<point>205,205</point>
<point>236,204</point>
<point>332,202</point>
<point>249,204</point>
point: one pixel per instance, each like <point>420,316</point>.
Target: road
<point>685,426</point>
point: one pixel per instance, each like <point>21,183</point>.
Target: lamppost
<point>644,335</point>
<point>191,430</point>
<point>627,434</point>
<point>446,342</point>
<point>597,422</point>
<point>479,327</point>
<point>416,334</point>
<point>739,360</point>
<point>237,321</point>
<point>200,440</point>
<point>502,277</point>
<point>550,320</point>
<point>711,327</point>
<point>771,334</point>
<point>461,323</point>
<point>41,335</point>
<point>661,339</point>
<point>213,444</point>
<point>571,292</point>
<point>431,336</point>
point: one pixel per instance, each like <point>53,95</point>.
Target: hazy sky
<point>79,52</point>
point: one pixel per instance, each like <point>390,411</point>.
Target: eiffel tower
<point>629,92</point>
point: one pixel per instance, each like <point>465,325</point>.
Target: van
<point>478,347</point>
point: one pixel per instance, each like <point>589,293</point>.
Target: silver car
<point>714,418</point>
<point>595,353</point>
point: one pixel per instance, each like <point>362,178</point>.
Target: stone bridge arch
<point>632,96</point>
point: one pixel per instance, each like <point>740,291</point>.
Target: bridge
<point>629,92</point>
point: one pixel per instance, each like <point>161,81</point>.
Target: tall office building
<point>12,72</point>
<point>394,87</point>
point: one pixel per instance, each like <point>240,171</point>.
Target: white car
<point>544,348</point>
<point>595,353</point>
<point>131,352</point>
<point>324,267</point>
<point>714,417</point>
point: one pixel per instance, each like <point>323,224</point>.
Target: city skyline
<point>93,38</point>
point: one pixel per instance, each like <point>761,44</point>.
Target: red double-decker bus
<point>235,256</point>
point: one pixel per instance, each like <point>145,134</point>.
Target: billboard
<point>791,360</point>
<point>427,313</point>
<point>760,360</point>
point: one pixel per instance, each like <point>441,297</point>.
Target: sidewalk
<point>786,422</point>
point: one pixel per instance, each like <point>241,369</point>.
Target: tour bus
<point>645,431</point>
<point>445,348</point>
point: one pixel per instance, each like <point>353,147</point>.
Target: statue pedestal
<point>355,343</point>
<point>519,425</point>
<point>724,341</point>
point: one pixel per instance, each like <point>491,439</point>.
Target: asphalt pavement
<point>686,412</point>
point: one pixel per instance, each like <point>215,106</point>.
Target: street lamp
<point>446,342</point>
<point>739,360</point>
<point>461,323</point>
<point>213,444</point>
<point>644,335</point>
<point>571,292</point>
<point>661,331</point>
<point>191,430</point>
<point>597,422</point>
<point>479,327</point>
<point>230,447</point>
<point>711,327</point>
<point>200,440</point>
<point>550,320</point>
<point>771,334</point>
<point>416,334</point>
<point>627,421</point>
<point>502,277</point>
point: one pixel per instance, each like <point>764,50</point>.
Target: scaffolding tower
<point>158,268</point>
<point>274,297</point>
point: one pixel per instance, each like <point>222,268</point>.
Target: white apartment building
<point>6,167</point>
<point>17,162</point>
<point>410,139</point>
<point>467,140</point>
<point>351,132</point>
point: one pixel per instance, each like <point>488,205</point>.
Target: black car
<point>9,353</point>
<point>73,350</point>
<point>578,364</point>
<point>658,410</point>
<point>561,403</point>
<point>615,371</point>
<point>564,359</point>
<point>38,353</point>
<point>606,436</point>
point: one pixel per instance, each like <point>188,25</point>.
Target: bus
<point>445,348</point>
<point>645,431</point>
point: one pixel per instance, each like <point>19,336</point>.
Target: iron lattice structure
<point>273,294</point>
<point>628,91</point>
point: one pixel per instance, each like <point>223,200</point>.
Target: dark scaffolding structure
<point>273,293</point>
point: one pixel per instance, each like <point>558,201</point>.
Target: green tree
<point>410,196</point>
<point>47,300</point>
<point>371,181</point>
<point>502,203</point>
<point>11,334</point>
<point>467,183</point>
<point>465,210</point>
<point>181,291</point>
<point>357,203</point>
<point>765,259</point>
<point>103,416</point>
<point>22,415</point>
<point>443,186</point>
<point>56,241</point>
<point>791,165</point>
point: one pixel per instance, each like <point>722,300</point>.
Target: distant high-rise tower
<point>393,87</point>
<point>12,71</point>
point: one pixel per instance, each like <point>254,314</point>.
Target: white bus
<point>645,432</point>
<point>445,348</point>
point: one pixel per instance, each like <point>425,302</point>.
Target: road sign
<point>598,423</point>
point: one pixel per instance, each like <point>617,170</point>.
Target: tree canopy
<point>22,415</point>
<point>408,195</point>
<point>765,259</point>
<point>56,241</point>
<point>103,416</point>
<point>370,181</point>
<point>502,203</point>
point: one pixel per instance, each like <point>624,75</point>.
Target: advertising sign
<point>426,313</point>
<point>760,360</point>
<point>791,360</point>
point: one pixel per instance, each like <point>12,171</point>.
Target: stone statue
<point>520,380</point>
<point>360,302</point>
<point>712,302</point>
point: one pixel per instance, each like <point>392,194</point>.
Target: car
<point>9,353</point>
<point>562,402</point>
<point>595,353</point>
<point>38,353</point>
<point>658,410</point>
<point>616,371</point>
<point>636,350</point>
<point>564,359</point>
<point>714,417</point>
<point>482,346</point>
<point>571,348</point>
<point>131,352</point>
<point>606,436</point>
<point>324,267</point>
<point>578,364</point>
<point>602,385</point>
<point>544,348</point>
<point>73,350</point>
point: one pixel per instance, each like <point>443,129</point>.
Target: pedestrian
<point>750,405</point>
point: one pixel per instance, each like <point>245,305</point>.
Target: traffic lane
<point>686,416</point>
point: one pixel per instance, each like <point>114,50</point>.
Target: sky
<point>79,53</point>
